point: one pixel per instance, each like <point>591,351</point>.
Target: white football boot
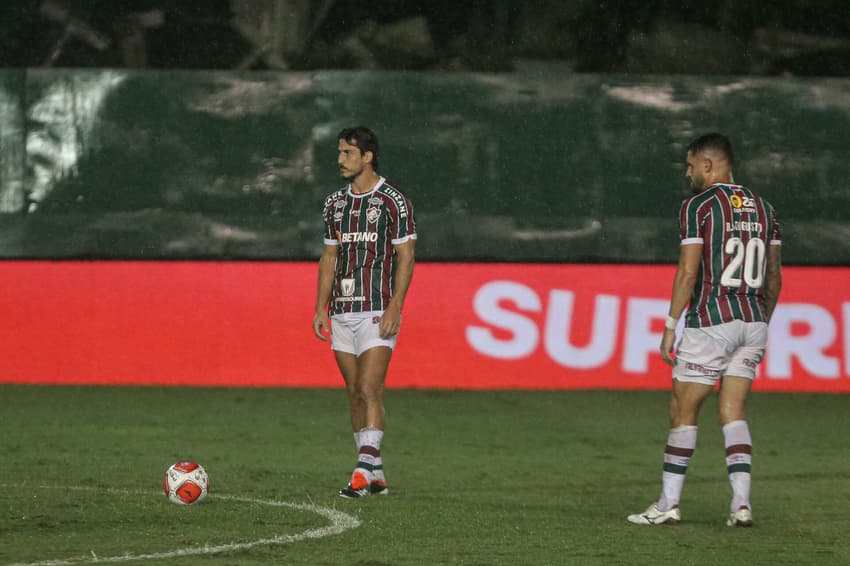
<point>743,517</point>
<point>653,516</point>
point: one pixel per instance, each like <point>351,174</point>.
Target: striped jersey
<point>735,226</point>
<point>365,227</point>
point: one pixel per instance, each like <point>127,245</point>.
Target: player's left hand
<point>390,322</point>
<point>667,341</point>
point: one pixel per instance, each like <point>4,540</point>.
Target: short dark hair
<point>714,141</point>
<point>364,138</point>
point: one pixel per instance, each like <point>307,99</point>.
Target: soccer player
<point>364,274</point>
<point>730,272</point>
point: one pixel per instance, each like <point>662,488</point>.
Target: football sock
<point>369,454</point>
<point>378,467</point>
<point>739,459</point>
<point>681,443</point>
<point>378,470</point>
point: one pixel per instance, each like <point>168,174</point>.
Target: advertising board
<point>465,326</point>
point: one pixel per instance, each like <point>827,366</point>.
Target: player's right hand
<point>322,326</point>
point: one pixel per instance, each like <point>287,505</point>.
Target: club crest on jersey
<point>338,215</point>
<point>372,214</point>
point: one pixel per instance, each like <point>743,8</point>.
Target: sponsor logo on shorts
<point>701,369</point>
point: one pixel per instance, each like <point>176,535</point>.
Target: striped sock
<point>378,470</point>
<point>374,437</point>
<point>369,462</point>
<point>681,443</point>
<point>739,459</point>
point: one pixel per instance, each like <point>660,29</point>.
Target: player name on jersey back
<point>744,225</point>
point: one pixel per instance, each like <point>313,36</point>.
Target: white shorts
<point>704,355</point>
<point>356,332</point>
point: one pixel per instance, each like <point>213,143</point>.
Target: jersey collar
<point>375,188</point>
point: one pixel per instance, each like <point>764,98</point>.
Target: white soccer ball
<point>186,483</point>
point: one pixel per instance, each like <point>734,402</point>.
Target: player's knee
<point>728,412</point>
<point>372,394</point>
<point>370,391</point>
<point>683,415</point>
<point>357,395</point>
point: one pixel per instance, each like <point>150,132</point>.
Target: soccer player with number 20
<point>729,276</point>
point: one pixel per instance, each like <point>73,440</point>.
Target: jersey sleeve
<point>775,236</point>
<point>689,222</point>
<point>403,226</point>
<point>330,238</point>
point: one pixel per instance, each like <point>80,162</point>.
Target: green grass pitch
<point>476,478</point>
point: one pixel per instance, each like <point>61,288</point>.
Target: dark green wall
<point>499,166</point>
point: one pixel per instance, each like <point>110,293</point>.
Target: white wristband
<point>671,323</point>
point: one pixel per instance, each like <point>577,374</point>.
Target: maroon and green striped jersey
<point>366,227</point>
<point>735,227</point>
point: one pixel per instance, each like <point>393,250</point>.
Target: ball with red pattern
<point>186,483</point>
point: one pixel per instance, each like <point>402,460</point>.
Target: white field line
<point>339,523</point>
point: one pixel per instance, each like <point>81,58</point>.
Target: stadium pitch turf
<point>504,477</point>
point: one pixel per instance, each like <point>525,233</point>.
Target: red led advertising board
<point>465,326</point>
